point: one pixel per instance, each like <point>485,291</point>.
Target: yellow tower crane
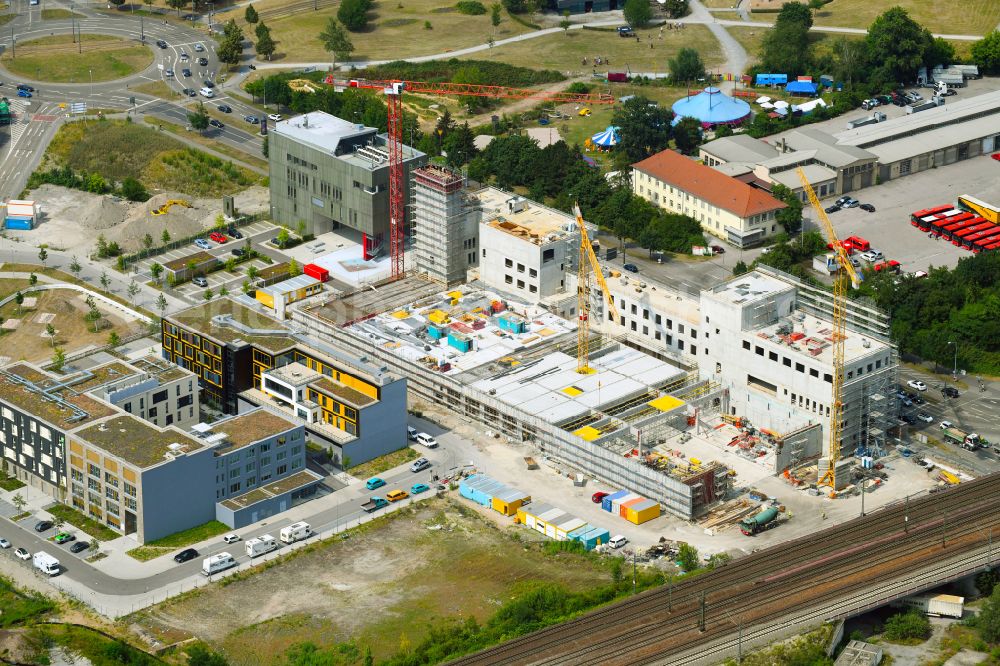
<point>845,272</point>
<point>588,265</point>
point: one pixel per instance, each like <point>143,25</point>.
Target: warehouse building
<point>332,173</point>
<point>348,404</point>
<point>726,207</point>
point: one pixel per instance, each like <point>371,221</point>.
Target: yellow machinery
<point>839,334</point>
<point>987,211</point>
<point>162,210</point>
<point>588,265</point>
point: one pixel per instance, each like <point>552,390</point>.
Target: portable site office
<point>491,493</point>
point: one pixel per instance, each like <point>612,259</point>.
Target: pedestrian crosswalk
<point>20,121</point>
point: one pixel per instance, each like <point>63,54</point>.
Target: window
<point>184,401</point>
<point>282,469</point>
<point>532,288</point>
<point>632,323</point>
<point>813,372</point>
<point>77,475</point>
<point>548,255</point>
<point>508,279</point>
<point>659,320</point>
<point>159,396</point>
<point>645,313</point>
<point>508,263</point>
<point>694,350</point>
<point>265,447</point>
<point>152,412</point>
<point>296,450</point>
<point>235,488</point>
<point>94,470</point>
<point>799,367</point>
<point>532,272</point>
<point>746,345</point>
<point>520,268</point>
<point>265,460</point>
<point>785,361</point>
<point>94,484</point>
<point>129,489</point>
<point>645,330</point>
<point>772,356</point>
<point>680,328</point>
<point>250,466</point>
<point>130,503</point>
<point>680,345</point>
<point>828,378</point>
<point>128,407</point>
<point>282,455</point>
<point>520,284</point>
<point>110,480</point>
<point>758,350</point>
<point>111,493</point>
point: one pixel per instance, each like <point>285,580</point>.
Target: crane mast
<point>588,265</point>
<point>846,271</point>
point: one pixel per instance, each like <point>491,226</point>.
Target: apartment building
<point>726,207</point>
<point>159,392</point>
<point>348,404</point>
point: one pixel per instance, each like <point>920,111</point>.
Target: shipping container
<point>616,504</point>
<point>643,511</point>
<point>512,323</point>
<point>564,527</point>
<point>606,502</point>
<point>509,501</point>
<point>594,538</point>
<point>460,342</point>
<point>19,223</point>
<point>624,507</point>
<point>316,271</point>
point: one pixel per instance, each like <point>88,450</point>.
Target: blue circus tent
<point>608,138</point>
<point>711,107</point>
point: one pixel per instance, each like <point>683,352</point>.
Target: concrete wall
<point>382,426</point>
<point>176,495</point>
<point>499,247</point>
<point>799,446</point>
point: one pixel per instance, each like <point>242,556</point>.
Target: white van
<point>617,541</point>
<point>216,563</point>
<point>207,92</point>
<point>426,440</point>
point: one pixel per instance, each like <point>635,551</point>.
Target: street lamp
<point>954,368</point>
<point>91,81</point>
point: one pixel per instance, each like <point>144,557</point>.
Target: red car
<point>996,156</point>
<point>217,237</point>
<point>598,496</point>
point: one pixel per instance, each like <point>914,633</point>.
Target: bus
<point>988,243</point>
<point>987,210</point>
<point>946,226</point>
<point>924,223</point>
<point>915,217</point>
<point>946,218</point>
<point>984,233</point>
<point>958,238</point>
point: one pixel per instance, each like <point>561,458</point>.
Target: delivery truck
<point>374,504</point>
<point>967,440</point>
<point>265,543</point>
<point>295,532</point>
<point>47,564</point>
<point>216,563</point>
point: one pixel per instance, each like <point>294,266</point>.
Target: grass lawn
<point>56,14</point>
<point>247,158</point>
<point>720,4</point>
<point>178,540</point>
<point>10,483</point>
<point>116,149</point>
<point>397,31</point>
<point>82,522</point>
<point>564,52</point>
<point>19,607</point>
<point>9,286</point>
<point>383,463</point>
<point>157,89</point>
<point>969,17</point>
<point>66,277</point>
<point>56,59</point>
<point>7,18</point>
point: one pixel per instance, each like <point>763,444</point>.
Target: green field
<point>56,59</point>
<point>117,149</point>
<point>968,17</point>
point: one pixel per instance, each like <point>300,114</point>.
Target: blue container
<point>512,323</point>
<point>606,502</point>
<point>436,332</point>
<point>459,341</point>
<point>595,537</point>
<point>466,485</point>
<point>19,222</point>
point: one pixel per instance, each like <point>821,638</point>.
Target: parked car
<point>207,93</point>
<point>851,203</point>
<point>218,237</point>
<point>4,543</point>
<point>396,495</point>
<point>208,83</point>
<point>225,108</point>
<point>842,200</point>
<point>917,384</point>
<point>185,72</point>
<point>718,249</point>
<point>946,424</point>
<point>231,538</point>
<point>906,402</point>
<point>950,392</point>
<point>202,62</point>
<point>426,440</point>
<point>869,104</point>
<point>626,31</point>
<point>598,496</point>
<point>907,418</point>
<point>420,464</point>
<point>418,488</point>
<point>22,554</point>
<point>631,268</point>
<point>617,541</point>
<point>215,123</point>
<point>199,281</point>
<point>871,256</point>
<point>185,555</point>
<point>925,417</point>
<point>43,525</point>
<point>411,433</point>
<point>831,209</point>
<point>25,86</point>
<point>169,73</point>
<point>199,48</point>
<point>868,208</point>
<point>234,232</point>
<point>184,57</point>
<point>373,483</point>
<point>203,244</point>
<point>238,252</point>
<point>64,537</point>
<point>79,546</point>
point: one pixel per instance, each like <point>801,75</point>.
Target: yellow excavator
<point>162,210</point>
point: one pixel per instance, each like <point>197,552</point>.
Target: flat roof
<point>910,146</point>
<point>660,297</point>
<point>828,149</point>
<point>816,173</point>
<point>136,441</point>
<point>747,288</point>
<point>321,130</point>
<point>161,369</point>
<point>291,284</point>
<point>225,320</point>
<point>246,429</point>
<point>739,148</point>
<point>24,387</point>
<point>523,218</point>
<point>280,487</point>
<point>198,258</point>
<point>345,393</point>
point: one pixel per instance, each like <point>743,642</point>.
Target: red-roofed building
<point>726,207</point>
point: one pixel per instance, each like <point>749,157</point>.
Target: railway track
<point>822,566</point>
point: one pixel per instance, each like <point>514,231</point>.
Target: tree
<point>58,359</point>
<point>260,29</point>
<point>50,331</point>
<point>988,620</point>
<point>250,15</point>
<point>897,44</point>
<point>460,146</point>
<point>638,13</point>
<point>32,280</point>
<point>687,135</point>
<point>722,131</point>
<point>165,237</point>
<point>565,23</point>
<point>686,66</point>
<point>293,268</point>
<point>177,4</point>
<point>223,291</point>
<point>687,557</point>
<point>785,47</point>
<point>198,119</point>
<point>353,14</point>
<point>199,655</point>
<point>252,272</point>
<point>495,10</point>
<point>645,129</point>
<point>43,254</point>
<point>133,190</point>
<point>105,281</point>
<point>850,60</point>
<point>939,52</point>
<point>282,238</point>
<point>676,8</point>
<point>114,339</point>
<point>207,295</point>
<point>132,290</point>
<point>986,53</point>
<point>19,299</point>
<point>741,268</point>
<point>265,44</point>
<point>147,241</point>
<point>156,270</point>
<point>789,218</point>
<point>161,304</point>
<point>986,581</point>
<point>336,41</point>
<point>231,48</point>
<point>19,502</point>
<point>75,267</point>
<point>908,625</point>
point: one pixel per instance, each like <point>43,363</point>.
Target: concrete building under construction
<point>512,367</point>
<point>446,220</point>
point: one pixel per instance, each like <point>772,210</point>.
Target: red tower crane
<point>393,91</point>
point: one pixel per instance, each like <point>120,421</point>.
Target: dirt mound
<point>88,211</point>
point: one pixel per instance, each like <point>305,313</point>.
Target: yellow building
<point>279,295</point>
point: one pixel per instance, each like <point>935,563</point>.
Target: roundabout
<point>88,57</point>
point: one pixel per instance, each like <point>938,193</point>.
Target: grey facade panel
<point>177,496</point>
<point>23,443</point>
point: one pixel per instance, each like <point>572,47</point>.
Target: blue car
<point>203,244</point>
<point>23,93</point>
<point>418,488</point>
<point>374,483</point>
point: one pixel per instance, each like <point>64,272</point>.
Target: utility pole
<point>670,594</point>
<point>942,529</point>
<point>954,367</point>
<point>701,615</point>
<point>906,515</point>
<point>633,573</point>
<point>863,479</point>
